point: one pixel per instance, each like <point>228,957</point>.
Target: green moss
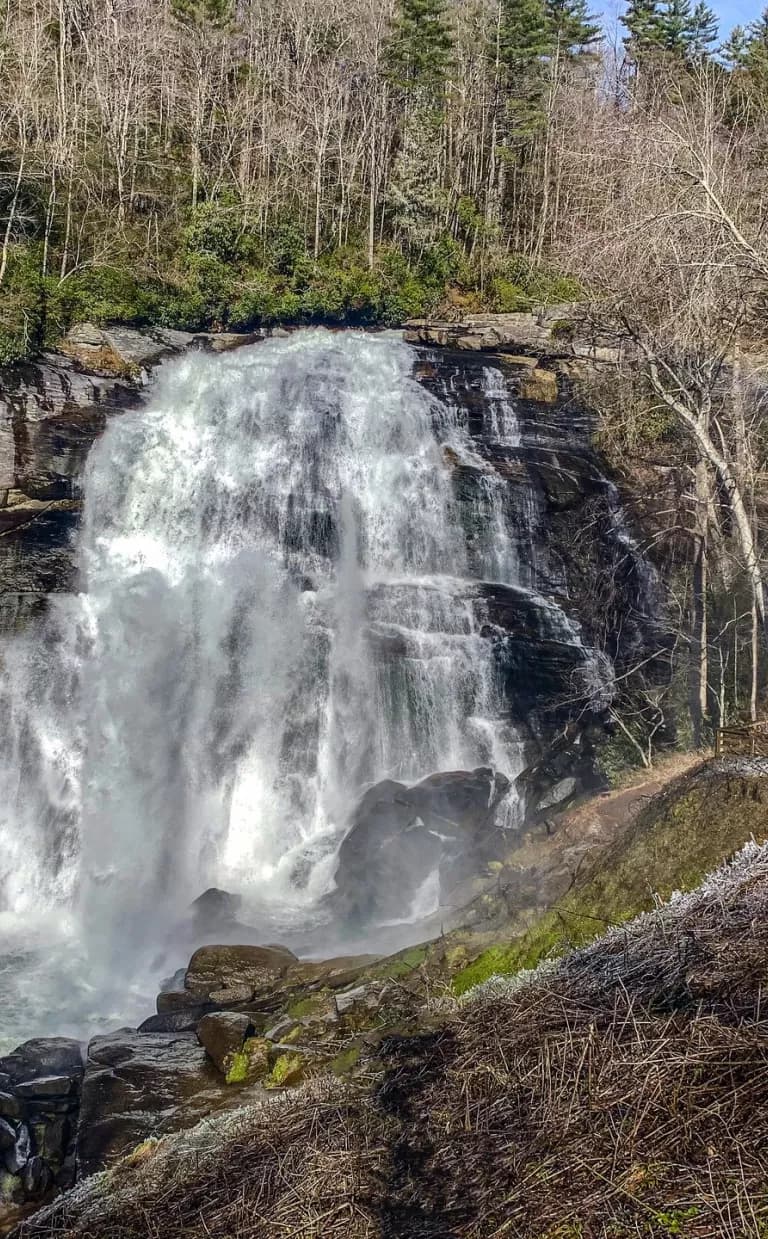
<point>250,1063</point>
<point>288,1069</point>
<point>344,1062</point>
<point>403,963</point>
<point>674,843</point>
<point>313,1004</point>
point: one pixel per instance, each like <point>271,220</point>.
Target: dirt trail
<point>548,858</point>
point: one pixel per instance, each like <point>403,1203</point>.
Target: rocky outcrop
<point>138,1085</point>
<point>560,331</point>
<point>400,837</point>
<point>39,1103</point>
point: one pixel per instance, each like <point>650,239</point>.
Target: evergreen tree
<point>733,49</point>
<point>672,28</point>
<point>688,32</point>
<point>422,45</point>
<point>524,40</point>
<point>756,49</point>
<point>524,36</point>
<point>645,38</point>
<point>420,55</point>
<point>703,31</point>
<point>573,28</point>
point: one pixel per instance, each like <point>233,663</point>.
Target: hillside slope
<point>622,1091</point>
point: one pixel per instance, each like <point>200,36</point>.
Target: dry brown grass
<point>621,1093</point>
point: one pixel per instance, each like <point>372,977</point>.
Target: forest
<point>204,163</point>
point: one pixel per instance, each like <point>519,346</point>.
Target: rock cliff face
<point>586,605</point>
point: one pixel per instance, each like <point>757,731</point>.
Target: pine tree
<point>677,22</point>
<point>524,40</point>
<point>756,50</point>
<point>645,38</point>
<point>574,29</point>
<point>746,52</point>
<point>672,28</point>
<point>422,45</point>
<point>524,36</point>
<point>702,31</point>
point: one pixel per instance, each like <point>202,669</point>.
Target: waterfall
<point>277,608</point>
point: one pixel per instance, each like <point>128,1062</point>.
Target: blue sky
<point>736,13</point>
<point>731,12</point>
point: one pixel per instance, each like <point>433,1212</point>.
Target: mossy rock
<point>288,1069</point>
<point>310,1005</point>
<point>401,965</point>
<point>345,1062</point>
<point>249,1064</point>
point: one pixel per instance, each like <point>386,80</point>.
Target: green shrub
<point>21,305</point>
<point>508,298</point>
<point>101,294</point>
<point>215,229</point>
<point>260,303</point>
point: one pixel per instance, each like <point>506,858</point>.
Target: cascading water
<point>278,608</point>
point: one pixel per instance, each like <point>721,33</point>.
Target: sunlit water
<point>277,609</point>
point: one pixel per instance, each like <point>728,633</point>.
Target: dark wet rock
<point>173,1022</point>
<point>18,1155</point>
<point>215,908</point>
<point>43,1057</point>
<point>172,1002</point>
<point>10,1107</point>
<point>7,1136</point>
<point>36,1177</point>
<point>39,1103</point>
<point>399,836</point>
<point>47,1086</point>
<point>138,1085</point>
<point>226,967</point>
<point>222,1034</point>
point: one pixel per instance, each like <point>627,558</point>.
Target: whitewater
<point>276,609</point>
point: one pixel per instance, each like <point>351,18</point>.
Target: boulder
<point>120,350</point>
<point>222,1033</point>
<point>53,1057</point>
<point>214,908</point>
<point>255,968</point>
<point>39,1102</point>
<point>138,1085</point>
<point>401,836</point>
<point>173,1022</point>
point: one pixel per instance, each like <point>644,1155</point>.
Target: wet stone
<point>7,1136</point>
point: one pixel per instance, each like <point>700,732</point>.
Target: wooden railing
<point>748,740</point>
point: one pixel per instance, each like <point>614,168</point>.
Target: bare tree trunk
<point>699,641</point>
<point>696,425</point>
<point>11,220</point>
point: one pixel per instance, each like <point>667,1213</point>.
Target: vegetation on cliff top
<point>322,161</point>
